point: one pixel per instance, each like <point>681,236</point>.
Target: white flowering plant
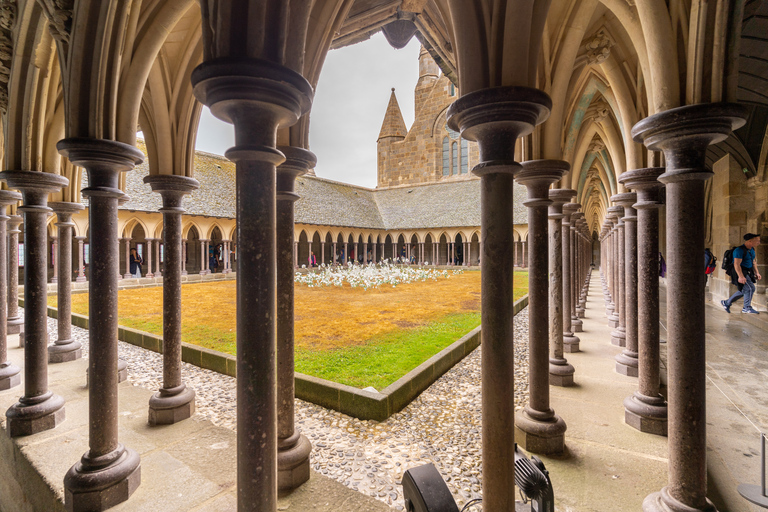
<point>371,275</point>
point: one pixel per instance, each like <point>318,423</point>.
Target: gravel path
<point>442,426</point>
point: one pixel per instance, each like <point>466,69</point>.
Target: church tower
<point>393,130</point>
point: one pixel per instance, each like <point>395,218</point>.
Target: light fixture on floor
<point>757,493</point>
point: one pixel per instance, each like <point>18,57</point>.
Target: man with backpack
<point>744,273</point>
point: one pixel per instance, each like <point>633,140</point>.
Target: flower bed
<point>371,275</point>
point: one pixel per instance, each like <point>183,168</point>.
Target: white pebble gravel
<point>442,426</point>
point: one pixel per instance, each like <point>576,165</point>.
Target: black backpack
<point>728,261</point>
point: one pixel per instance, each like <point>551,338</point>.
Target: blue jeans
<point>747,290</point>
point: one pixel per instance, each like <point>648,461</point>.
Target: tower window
<point>454,158</point>
<point>446,157</point>
<point>464,156</point>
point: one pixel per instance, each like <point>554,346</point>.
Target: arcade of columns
<point>260,63</point>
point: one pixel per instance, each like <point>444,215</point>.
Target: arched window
<point>454,158</point>
<point>446,157</point>
<point>453,90</point>
<point>464,156</point>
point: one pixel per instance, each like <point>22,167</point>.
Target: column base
<point>292,461</point>
<point>184,273</point>
<point>169,406</point>
<point>91,485</point>
<point>15,325</point>
<point>570,343</point>
<point>662,501</point>
<point>627,363</point>
<point>576,324</point>
<point>613,320</point>
<point>64,351</point>
<point>581,312</point>
<point>540,436</point>
<point>619,337</point>
<point>127,276</point>
<point>10,376</point>
<point>122,373</point>
<point>560,372</point>
<point>150,275</point>
<point>32,415</point>
<point>646,413</point>
<point>80,279</point>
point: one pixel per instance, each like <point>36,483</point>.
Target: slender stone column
<point>175,401</point>
<point>375,245</point>
<point>202,258</point>
<point>108,473</point>
<point>15,322</point>
<point>293,448</point>
<point>560,371</point>
<point>65,349</point>
<point>55,252</point>
<point>39,409</point>
<point>626,361</point>
<point>646,409</point>
<point>296,254</point>
<point>538,429</point>
<point>322,252</point>
<point>576,323</point>
<point>346,254</point>
<point>581,307</point>
<point>614,213</point>
<point>683,134</point>
<point>127,274</point>
<point>184,257</point>
<point>570,341</point>
<point>206,257</point>
<point>258,97</point>
<point>10,374</point>
<point>357,254</point>
<point>618,335</point>
<point>80,264</point>
<point>495,118</point>
<point>149,257</point>
<point>158,273</point>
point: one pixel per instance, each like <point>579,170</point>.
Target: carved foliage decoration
<point>7,21</point>
<point>59,15</point>
<point>599,48</point>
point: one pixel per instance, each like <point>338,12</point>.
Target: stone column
<point>296,254</point>
<point>55,253</point>
<point>184,257</point>
<point>258,97</point>
<point>206,252</point>
<point>108,473</point>
<point>560,372</point>
<point>10,374</point>
<point>346,254</point>
<point>158,241</point>
<point>203,258</point>
<point>538,429</point>
<point>614,213</point>
<point>15,322</point>
<point>626,362</point>
<point>175,401</point>
<point>525,253</point>
<point>80,264</point>
<point>618,335</point>
<point>570,340</point>
<point>581,297</point>
<point>65,348</point>
<point>293,448</point>
<point>646,409</point>
<point>357,254</point>
<point>149,257</point>
<point>127,274</point>
<point>683,134</point>
<point>375,245</point>
<point>39,409</point>
<point>322,252</point>
<point>576,323</point>
<point>495,118</point>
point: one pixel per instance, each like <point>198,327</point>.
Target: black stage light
<point>425,491</point>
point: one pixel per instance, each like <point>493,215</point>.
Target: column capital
<point>64,212</point>
<point>297,162</point>
<point>560,197</point>
<point>646,184</point>
<point>103,160</point>
<point>7,198</point>
<point>172,189</point>
<point>627,201</point>
<point>537,176</point>
<point>34,187</point>
<point>683,134</point>
<point>495,118</point>
<point>14,221</point>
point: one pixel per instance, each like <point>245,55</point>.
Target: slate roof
<point>330,203</point>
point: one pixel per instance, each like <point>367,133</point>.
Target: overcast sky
<point>348,110</point>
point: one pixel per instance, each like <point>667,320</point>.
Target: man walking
<point>746,269</point>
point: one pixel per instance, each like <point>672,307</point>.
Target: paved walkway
<point>608,466</point>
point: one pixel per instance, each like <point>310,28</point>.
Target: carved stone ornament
<point>59,15</point>
<point>599,48</point>
<point>600,111</point>
<point>596,146</point>
<point>7,20</point>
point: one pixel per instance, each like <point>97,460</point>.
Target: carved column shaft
<point>10,374</point>
<point>15,322</point>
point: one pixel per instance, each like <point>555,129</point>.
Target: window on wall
<point>453,90</point>
<point>455,154</point>
<point>446,157</point>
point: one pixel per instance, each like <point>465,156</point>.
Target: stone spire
<point>393,125</point>
<point>428,68</point>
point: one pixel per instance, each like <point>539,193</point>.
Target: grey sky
<point>348,110</point>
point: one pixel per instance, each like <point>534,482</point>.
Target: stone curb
<point>358,403</point>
